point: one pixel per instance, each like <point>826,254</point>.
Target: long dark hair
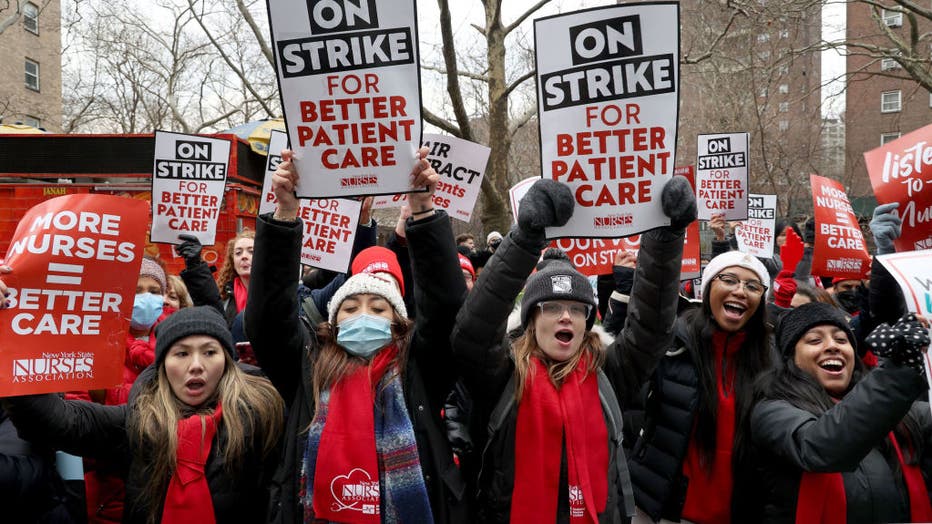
<point>793,385</point>
<point>751,360</point>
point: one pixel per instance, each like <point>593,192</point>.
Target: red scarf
<point>545,414</point>
<point>347,467</point>
<point>708,494</point>
<point>188,497</point>
<point>240,293</point>
<point>822,495</point>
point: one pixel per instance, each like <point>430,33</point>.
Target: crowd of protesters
<point>435,382</point>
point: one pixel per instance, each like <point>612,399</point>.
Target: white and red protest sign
<point>350,86</point>
<point>608,97</point>
<point>460,164</point>
<point>839,249</point>
<point>901,171</point>
<point>595,256</point>
<point>517,192</point>
<point>75,263</point>
<point>756,235</point>
<point>188,181</point>
<point>913,272</point>
<point>329,223</point>
<point>722,176</point>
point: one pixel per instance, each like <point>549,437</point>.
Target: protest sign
<point>329,224</point>
<point>350,87</point>
<point>75,263</point>
<point>517,192</point>
<point>913,272</point>
<point>188,180</point>
<point>901,171</point>
<point>756,235</point>
<point>608,96</point>
<point>594,256</point>
<point>839,249</point>
<point>460,164</point>
<point>691,265</point>
<point>722,176</point>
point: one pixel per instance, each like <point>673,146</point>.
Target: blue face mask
<point>363,335</point>
<point>147,308</point>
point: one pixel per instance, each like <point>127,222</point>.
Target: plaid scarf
<point>355,446</point>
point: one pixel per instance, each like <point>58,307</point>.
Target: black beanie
<point>199,320</point>
<point>798,321</point>
<point>557,281</point>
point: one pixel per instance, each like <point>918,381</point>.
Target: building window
<point>764,55</point>
<point>887,64</point>
<point>892,17</point>
<point>784,33</point>
<point>31,17</point>
<point>784,89</point>
<point>32,75</point>
<point>886,138</point>
<point>32,121</point>
<point>784,107</point>
<point>783,125</point>
<point>890,102</point>
<point>763,92</point>
<point>763,37</point>
<point>784,69</point>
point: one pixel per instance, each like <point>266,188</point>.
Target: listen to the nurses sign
<point>608,103</point>
<point>350,87</point>
<point>75,261</point>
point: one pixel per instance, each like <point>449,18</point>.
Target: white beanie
<point>732,259</point>
<point>371,283</point>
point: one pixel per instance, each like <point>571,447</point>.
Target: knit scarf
<point>545,416</point>
<point>361,464</point>
<point>188,498</point>
<point>240,293</point>
<point>708,494</point>
<point>822,495</point>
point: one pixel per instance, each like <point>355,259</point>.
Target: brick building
<point>878,108</point>
<point>30,67</point>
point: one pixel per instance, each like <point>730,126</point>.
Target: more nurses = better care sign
<point>608,96</point>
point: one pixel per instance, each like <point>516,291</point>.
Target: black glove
<point>189,250</point>
<point>678,202</point>
<point>809,231</point>
<point>901,343</point>
<point>547,203</point>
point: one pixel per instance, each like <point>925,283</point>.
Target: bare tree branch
<point>440,122</point>
<point>530,11</point>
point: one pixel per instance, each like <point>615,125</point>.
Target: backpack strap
<point>611,408</point>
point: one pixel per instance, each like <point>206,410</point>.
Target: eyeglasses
<point>555,310</point>
<point>731,282</point>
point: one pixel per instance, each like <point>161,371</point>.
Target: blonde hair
<point>251,408</point>
<point>177,285</point>
<point>333,363</point>
<point>228,271</point>
<point>526,346</point>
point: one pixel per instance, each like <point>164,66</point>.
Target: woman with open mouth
<point>547,405</point>
<point>691,459</point>
<point>838,444</point>
<point>196,437</point>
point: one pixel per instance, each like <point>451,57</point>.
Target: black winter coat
<point>286,352</point>
<point>484,356</point>
<point>849,438</point>
<point>94,430</point>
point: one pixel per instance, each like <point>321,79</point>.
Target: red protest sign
<point>595,256</point>
<point>75,263</point>
<point>901,171</point>
<point>691,248</point>
<point>839,244</point>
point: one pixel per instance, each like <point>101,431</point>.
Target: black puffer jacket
<point>849,438</point>
<point>484,355</point>
<point>286,352</point>
<point>94,430</point>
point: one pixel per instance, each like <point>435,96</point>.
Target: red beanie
<point>377,259</point>
<point>466,265</point>
<point>837,280</point>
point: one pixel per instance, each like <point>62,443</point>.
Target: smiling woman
<point>833,438</point>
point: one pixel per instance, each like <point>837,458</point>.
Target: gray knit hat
<point>557,281</point>
<point>798,321</point>
<point>199,320</point>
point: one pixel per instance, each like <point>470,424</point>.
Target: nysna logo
<point>561,283</point>
<point>358,181</point>
<point>355,491</point>
<point>54,367</point>
<point>625,219</point>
